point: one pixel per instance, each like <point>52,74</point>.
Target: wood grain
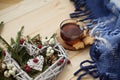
<point>7,3</point>
<point>44,20</point>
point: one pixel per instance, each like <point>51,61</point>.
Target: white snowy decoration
<point>38,65</point>
<point>9,66</point>
<point>31,48</point>
<point>49,51</point>
<point>45,41</point>
<point>14,69</point>
<point>6,74</point>
<point>3,65</point>
<point>12,72</point>
<point>11,69</point>
<point>51,41</point>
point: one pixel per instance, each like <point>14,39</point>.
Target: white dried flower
<point>52,51</point>
<point>14,69</point>
<point>3,65</point>
<point>51,41</point>
<point>49,54</point>
<point>12,72</point>
<point>6,74</point>
<point>49,51</point>
<point>9,66</point>
<point>45,41</point>
<point>49,48</point>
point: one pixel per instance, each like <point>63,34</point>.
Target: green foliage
<point>34,73</point>
<point>20,54</point>
<point>24,56</point>
<point>1,26</point>
<point>5,44</point>
<point>36,39</point>
<point>16,47</point>
<point>1,55</point>
<point>18,39</point>
<point>53,36</point>
<point>29,40</point>
<point>12,41</point>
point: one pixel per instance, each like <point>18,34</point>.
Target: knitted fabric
<point>97,8</point>
<point>105,52</point>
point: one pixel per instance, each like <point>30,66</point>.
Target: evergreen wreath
<point>31,58</point>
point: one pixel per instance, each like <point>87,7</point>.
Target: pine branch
<point>10,49</point>
<point>4,42</point>
<point>16,45</point>
<point>29,39</point>
<point>1,26</point>
<point>1,55</point>
<point>18,39</point>
<point>12,41</point>
<point>54,35</point>
<point>35,37</point>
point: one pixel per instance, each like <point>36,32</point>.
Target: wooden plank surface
<point>7,3</point>
<point>45,20</point>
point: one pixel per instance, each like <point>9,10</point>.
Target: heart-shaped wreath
<point>31,58</point>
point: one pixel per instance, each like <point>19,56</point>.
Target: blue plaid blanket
<point>105,52</point>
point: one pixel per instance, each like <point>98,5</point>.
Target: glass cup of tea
<point>71,31</point>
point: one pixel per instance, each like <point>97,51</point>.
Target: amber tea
<point>70,33</point>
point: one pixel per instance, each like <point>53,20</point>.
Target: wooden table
<point>44,19</point>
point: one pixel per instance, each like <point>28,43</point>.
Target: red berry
<point>4,53</point>
<point>60,61</point>
<point>68,62</point>
<point>22,41</point>
<point>35,60</point>
<point>39,46</point>
<point>28,69</point>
